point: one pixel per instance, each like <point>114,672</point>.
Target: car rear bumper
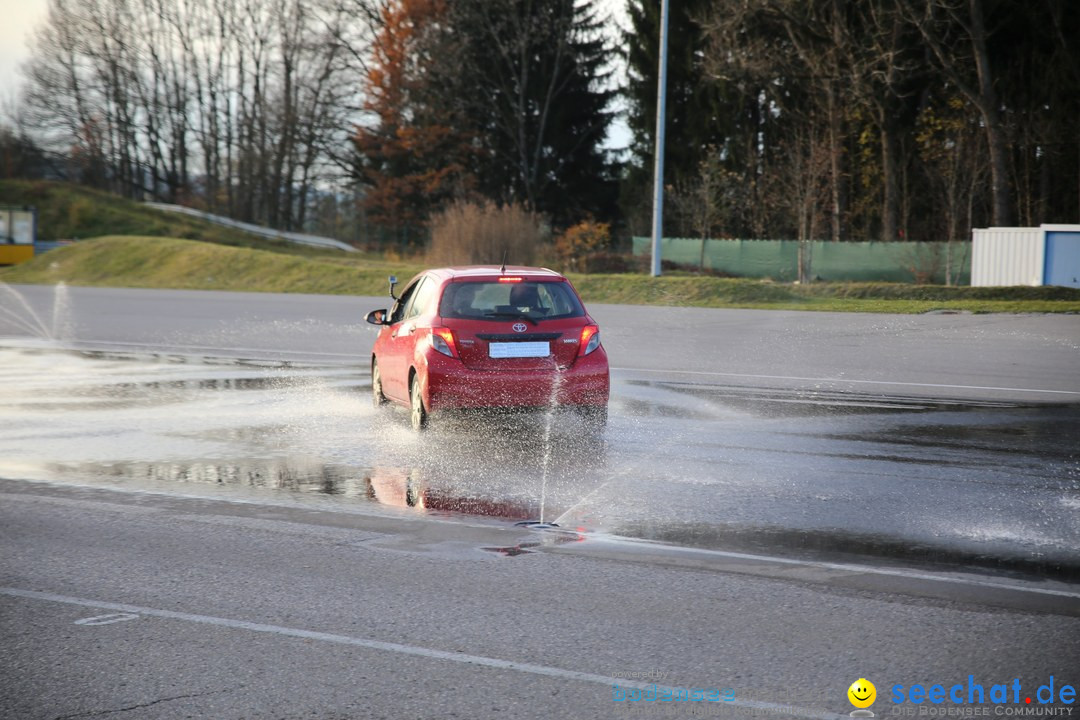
<point>448,384</point>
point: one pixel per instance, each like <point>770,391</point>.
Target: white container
<point>1018,256</point>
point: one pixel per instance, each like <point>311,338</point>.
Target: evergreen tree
<point>505,99</point>
<point>700,113</point>
<point>536,83</point>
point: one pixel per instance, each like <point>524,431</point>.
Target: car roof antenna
<point>502,269</point>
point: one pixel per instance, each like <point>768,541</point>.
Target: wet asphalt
<point>817,453</point>
<point>744,447</point>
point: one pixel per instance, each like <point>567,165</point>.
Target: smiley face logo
<point>862,693</point>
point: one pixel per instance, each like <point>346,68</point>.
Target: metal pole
<point>658,167</point>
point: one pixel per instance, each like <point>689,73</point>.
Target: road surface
<point>203,517</point>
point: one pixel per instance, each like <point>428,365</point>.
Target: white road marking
<point>150,347</point>
<point>429,653</point>
<point>844,567</point>
<point>107,619</point>
<point>846,380</point>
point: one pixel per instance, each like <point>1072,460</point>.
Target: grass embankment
<point>698,291</point>
<point>151,262</point>
<point>67,212</point>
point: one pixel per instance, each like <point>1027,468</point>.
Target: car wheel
<point>378,399</point>
<point>417,413</point>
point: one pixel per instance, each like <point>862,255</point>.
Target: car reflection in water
<point>504,467</point>
<point>396,487</point>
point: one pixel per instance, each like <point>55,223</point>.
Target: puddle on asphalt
<point>806,474</point>
<point>773,402</point>
<point>1031,431</point>
<point>285,474</point>
<point>527,548</point>
<point>835,545</point>
<point>144,421</point>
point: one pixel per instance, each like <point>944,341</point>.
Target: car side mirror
<point>376,317</point>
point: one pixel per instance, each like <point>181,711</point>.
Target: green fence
<point>843,261</point>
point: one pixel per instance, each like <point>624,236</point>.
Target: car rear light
<point>510,279</point>
<point>442,340</point>
<point>590,340</point>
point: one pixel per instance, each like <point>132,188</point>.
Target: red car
<point>488,337</point>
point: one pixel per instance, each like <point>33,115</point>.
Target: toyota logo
<point>520,327</point>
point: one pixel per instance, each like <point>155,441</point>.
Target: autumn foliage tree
<point>412,153</point>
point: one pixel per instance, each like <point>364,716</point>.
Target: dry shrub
<point>580,242</point>
<point>924,261</point>
<point>467,233</point>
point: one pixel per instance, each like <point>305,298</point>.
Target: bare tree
<point>234,104</point>
<point>951,147</point>
<point>779,43</point>
<point>955,33</point>
<point>708,203</point>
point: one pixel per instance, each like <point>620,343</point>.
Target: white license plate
<point>519,349</point>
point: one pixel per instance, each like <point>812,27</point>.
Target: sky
<point>20,17</point>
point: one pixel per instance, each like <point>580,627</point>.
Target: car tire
<point>417,412</point>
<point>378,399</point>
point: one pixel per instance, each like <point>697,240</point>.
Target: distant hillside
<point>67,211</point>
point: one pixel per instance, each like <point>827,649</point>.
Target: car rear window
<point>500,300</point>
